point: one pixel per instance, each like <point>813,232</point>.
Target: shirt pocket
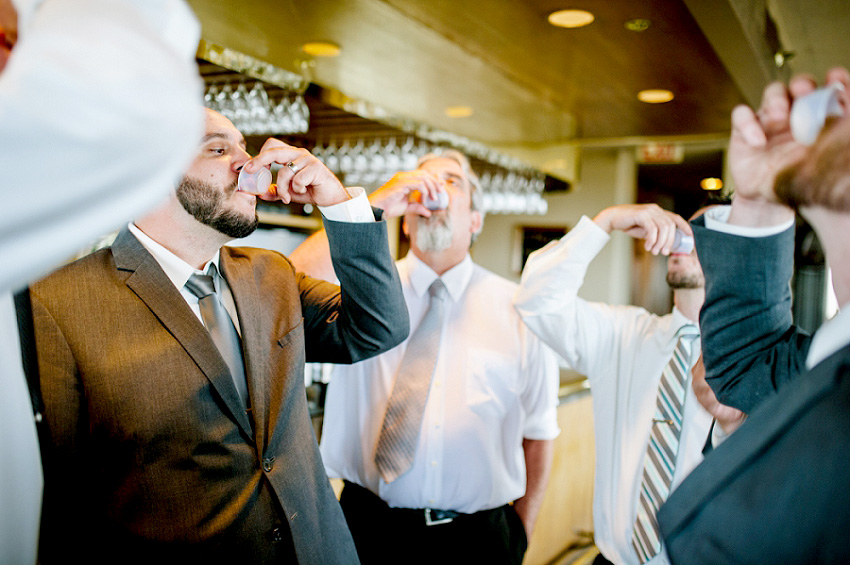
<point>492,383</point>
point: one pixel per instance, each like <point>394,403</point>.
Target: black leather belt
<point>372,503</point>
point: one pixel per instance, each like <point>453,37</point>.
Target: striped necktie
<point>662,449</point>
<point>399,435</point>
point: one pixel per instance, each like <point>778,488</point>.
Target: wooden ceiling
<point>529,83</point>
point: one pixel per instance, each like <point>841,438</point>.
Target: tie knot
<point>202,285</point>
<point>688,331</point>
<point>437,290</point>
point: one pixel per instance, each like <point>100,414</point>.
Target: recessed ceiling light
<point>570,18</point>
<point>655,96</point>
<point>638,24</point>
<point>321,49</point>
<point>711,183</point>
<point>458,111</point>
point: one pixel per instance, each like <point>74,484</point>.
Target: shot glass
<point>683,243</point>
<point>440,203</point>
<point>809,113</point>
<point>433,204</point>
<point>257,182</point>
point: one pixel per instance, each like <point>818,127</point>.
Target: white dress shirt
<point>622,350</point>
<point>494,384</point>
<point>102,100</point>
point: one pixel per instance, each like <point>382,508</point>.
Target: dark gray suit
<point>151,456</point>
<point>776,491</point>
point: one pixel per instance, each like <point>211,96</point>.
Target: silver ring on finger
<point>293,167</point>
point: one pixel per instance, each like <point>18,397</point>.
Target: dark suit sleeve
<point>750,347</point>
<point>368,315</point>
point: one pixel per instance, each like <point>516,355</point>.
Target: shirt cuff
<point>355,210</point>
<point>717,219</point>
<point>719,435</point>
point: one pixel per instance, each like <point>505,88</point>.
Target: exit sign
<point>660,153</point>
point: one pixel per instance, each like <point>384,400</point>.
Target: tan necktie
<point>406,406</point>
<point>221,328</point>
<point>663,447</point>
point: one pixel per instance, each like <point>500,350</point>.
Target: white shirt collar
<point>679,321</point>
<point>177,270</point>
<point>25,10</point>
<point>456,279</point>
<point>832,336</point>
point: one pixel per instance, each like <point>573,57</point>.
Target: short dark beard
<point>206,204</point>
<point>679,281</point>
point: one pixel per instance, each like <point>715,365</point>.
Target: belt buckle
<point>429,521</point>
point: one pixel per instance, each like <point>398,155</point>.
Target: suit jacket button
<point>268,464</point>
<point>276,535</point>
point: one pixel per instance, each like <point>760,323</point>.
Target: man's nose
<point>239,161</point>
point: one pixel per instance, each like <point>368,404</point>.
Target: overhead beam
<point>740,31</point>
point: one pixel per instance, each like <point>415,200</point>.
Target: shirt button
<point>268,464</point>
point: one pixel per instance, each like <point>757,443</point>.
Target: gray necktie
<point>221,328</point>
<point>403,419</point>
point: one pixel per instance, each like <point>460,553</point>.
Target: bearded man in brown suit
<point>155,454</point>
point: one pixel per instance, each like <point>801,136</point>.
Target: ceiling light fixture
<point>711,183</point>
<point>458,111</point>
<point>638,24</point>
<point>321,49</point>
<point>655,96</point>
<point>570,18</point>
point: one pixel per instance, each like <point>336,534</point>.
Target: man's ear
<point>475,222</point>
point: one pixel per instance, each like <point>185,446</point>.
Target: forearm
<point>538,464</point>
<point>371,315</point>
<point>313,257</point>
<point>547,298</point>
<point>750,347</point>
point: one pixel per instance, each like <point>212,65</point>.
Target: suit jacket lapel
<point>150,283</point>
<point>239,274</point>
<point>765,425</point>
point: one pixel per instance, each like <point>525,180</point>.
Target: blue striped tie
<point>660,461</point>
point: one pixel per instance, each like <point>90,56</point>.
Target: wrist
<point>343,195</point>
<point>758,212</point>
<point>604,220</point>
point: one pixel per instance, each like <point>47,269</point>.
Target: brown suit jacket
<point>151,456</point>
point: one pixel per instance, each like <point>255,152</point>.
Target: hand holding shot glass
<point>438,202</point>
<point>663,232</point>
<point>417,192</point>
<point>301,178</point>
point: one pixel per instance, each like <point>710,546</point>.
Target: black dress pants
<point>385,535</point>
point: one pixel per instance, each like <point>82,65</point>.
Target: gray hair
<point>475,190</point>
